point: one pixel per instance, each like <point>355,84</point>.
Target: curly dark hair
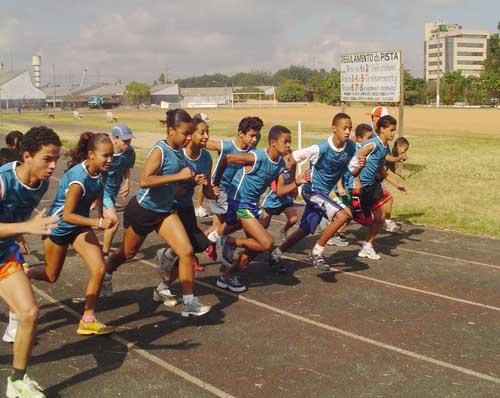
<point>37,137</point>
<point>250,123</point>
<point>14,139</point>
<point>88,142</point>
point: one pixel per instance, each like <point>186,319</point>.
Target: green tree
<point>137,92</point>
<point>453,87</point>
<point>415,89</point>
<point>491,73</point>
<point>162,79</point>
<point>291,91</point>
<point>326,88</point>
<point>293,72</point>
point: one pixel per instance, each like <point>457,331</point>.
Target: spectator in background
<point>12,152</point>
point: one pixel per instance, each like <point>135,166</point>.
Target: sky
<point>138,40</point>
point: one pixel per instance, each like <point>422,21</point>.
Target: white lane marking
<point>346,333</point>
<point>131,346</point>
<point>413,289</point>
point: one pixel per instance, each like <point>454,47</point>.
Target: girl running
<point>79,188</point>
<point>152,209</point>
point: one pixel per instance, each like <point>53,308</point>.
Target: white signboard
<point>371,77</point>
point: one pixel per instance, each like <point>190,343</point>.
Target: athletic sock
<point>277,252</point>
<point>88,318</point>
<point>170,254</point>
<point>162,286</point>
<point>187,298</point>
<point>17,374</point>
<point>318,249</point>
<point>213,236</point>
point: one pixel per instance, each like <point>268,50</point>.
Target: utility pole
<point>54,73</point>
<point>438,71</point>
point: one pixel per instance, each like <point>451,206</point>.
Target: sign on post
<point>371,76</point>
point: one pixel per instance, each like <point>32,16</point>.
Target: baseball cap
<point>122,131</point>
<point>380,111</point>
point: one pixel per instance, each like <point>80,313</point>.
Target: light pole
<point>439,68</point>
<point>1,109</point>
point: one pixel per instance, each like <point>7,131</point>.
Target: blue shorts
<point>108,200</point>
<point>318,206</point>
<point>237,210</point>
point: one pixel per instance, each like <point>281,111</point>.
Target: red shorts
<point>10,267</point>
<point>364,220</point>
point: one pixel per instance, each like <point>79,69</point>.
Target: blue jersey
<point>248,186</point>
<point>17,202</point>
<point>228,147</point>
<point>374,160</point>
<point>114,176</point>
<point>273,201</point>
<point>200,165</point>
<point>329,167</point>
<point>92,187</point>
<point>161,199</point>
<point>348,178</point>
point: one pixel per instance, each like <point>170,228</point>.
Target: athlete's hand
<point>200,179</point>
<point>40,224</point>
<point>402,157</point>
<point>108,222</point>
<point>304,177</point>
<point>361,161</point>
<point>185,174</point>
<point>341,192</point>
<point>124,190</point>
<point>215,192</point>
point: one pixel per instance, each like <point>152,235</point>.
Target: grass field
<point>454,159</point>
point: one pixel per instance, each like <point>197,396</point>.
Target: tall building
<point>450,48</point>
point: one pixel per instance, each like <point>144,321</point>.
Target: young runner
<point>247,138</point>
<point>372,195</point>
<point>328,162</point>
<point>259,169</point>
<point>81,185</point>
<point>199,161</point>
<point>152,209</point>
<point>117,179</point>
<point>22,186</point>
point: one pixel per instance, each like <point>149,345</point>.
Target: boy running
<point>328,162</point>
<point>22,186</point>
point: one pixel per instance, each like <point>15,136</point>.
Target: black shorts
<point>198,239</point>
<point>143,221</point>
<point>370,195</point>
<point>65,240</point>
<point>276,211</point>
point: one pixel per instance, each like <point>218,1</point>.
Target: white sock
<point>277,252</point>
<point>108,276</point>
<point>388,220</point>
<point>162,286</point>
<point>317,249</point>
<point>367,245</point>
<point>187,298</point>
<point>213,236</point>
<point>12,317</point>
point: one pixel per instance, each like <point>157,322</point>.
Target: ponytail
<point>88,142</point>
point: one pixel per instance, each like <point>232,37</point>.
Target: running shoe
<point>367,251</point>
<point>391,226</point>
<point>227,252</point>
<point>338,240</point>
<point>107,286</point>
<point>195,308</point>
<point>94,327</point>
<point>231,283</point>
<point>165,296</point>
<point>10,331</point>
<point>276,265</point>
<point>197,266</point>
<point>25,388</point>
<point>319,262</point>
<point>211,251</point>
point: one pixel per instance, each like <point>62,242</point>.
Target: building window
<point>470,53</point>
<point>434,55</point>
<point>431,46</point>
<point>472,36</point>
<point>435,63</point>
<point>469,62</point>
<point>470,45</point>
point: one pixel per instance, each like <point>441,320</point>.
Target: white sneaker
<point>25,388</point>
<point>107,286</point>
<point>391,226</point>
<point>163,295</point>
<point>200,212</point>
<point>195,308</point>
<point>338,240</point>
<point>368,252</point>
<point>10,332</point>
